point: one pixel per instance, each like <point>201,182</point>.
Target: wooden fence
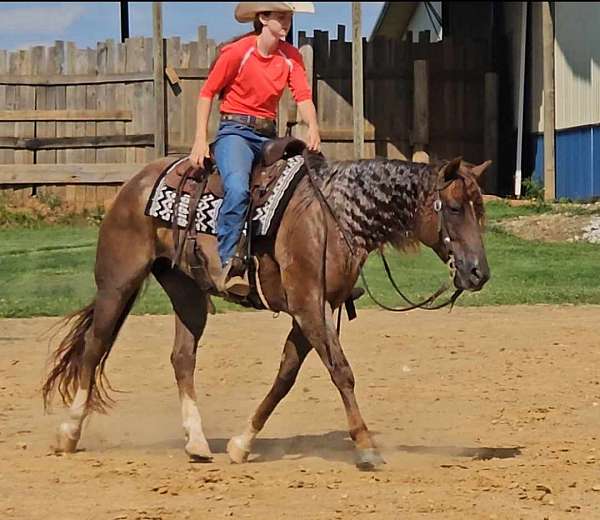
<point>76,123</point>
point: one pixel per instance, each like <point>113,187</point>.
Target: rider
<point>250,74</point>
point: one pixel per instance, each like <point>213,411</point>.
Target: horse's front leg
<point>295,351</point>
<point>321,333</point>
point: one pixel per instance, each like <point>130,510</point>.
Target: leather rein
<point>425,304</point>
<point>445,238</point>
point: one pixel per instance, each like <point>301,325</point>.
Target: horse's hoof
<point>368,459</point>
<point>237,453</point>
<point>198,452</point>
<point>64,442</point>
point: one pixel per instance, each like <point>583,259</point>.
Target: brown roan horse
<point>307,271</point>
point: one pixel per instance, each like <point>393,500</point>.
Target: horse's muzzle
<point>472,278</point>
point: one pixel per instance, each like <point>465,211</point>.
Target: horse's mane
<point>376,200</point>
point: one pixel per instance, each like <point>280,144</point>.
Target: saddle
<point>186,179</point>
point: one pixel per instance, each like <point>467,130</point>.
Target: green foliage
<point>44,209</point>
<point>532,189</point>
<point>48,271</point>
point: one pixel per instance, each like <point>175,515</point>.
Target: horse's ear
<point>480,169</point>
<point>449,171</point>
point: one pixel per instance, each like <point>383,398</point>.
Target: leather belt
<point>261,125</point>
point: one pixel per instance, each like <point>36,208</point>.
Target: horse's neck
<point>377,200</point>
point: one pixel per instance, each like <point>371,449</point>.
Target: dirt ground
<point>549,227</point>
<point>480,413</point>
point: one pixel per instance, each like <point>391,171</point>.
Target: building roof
<point>394,19</point>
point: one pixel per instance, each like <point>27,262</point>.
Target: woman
<point>250,75</point>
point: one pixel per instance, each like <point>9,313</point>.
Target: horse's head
<point>451,222</point>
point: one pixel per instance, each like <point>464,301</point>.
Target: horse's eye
<point>455,210</point>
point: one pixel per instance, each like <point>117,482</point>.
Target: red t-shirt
<point>252,84</point>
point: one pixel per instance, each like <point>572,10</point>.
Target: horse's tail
<point>65,374</point>
<point>66,359</point>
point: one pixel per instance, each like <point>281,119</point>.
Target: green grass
<point>48,271</point>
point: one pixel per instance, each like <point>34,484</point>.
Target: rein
<point>442,232</point>
<point>425,304</point>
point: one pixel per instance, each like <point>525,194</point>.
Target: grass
<point>48,271</point>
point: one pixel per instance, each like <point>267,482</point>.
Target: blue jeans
<point>236,149</point>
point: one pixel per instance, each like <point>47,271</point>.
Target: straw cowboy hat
<point>247,11</point>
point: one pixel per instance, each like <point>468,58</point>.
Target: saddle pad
<point>264,221</point>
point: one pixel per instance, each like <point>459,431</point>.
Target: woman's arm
<point>308,113</point>
<point>200,147</point>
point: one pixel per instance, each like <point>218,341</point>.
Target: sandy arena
<point>484,413</point>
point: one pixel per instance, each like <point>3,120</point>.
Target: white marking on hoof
<point>236,451</point>
<point>66,439</point>
<point>197,445</point>
<point>69,431</point>
<point>199,451</point>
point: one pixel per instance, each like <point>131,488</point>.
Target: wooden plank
<point>39,66</point>
<point>48,129</point>
<point>203,47</point>
<point>81,66</point>
<point>134,92</point>
<point>147,154</point>
<point>159,82</point>
<point>70,156</point>
<point>306,50</point>
<point>102,103</point>
<point>549,107</point>
<point>357,81</point>
<point>117,65</point>
<point>25,100</point>
<point>91,94</point>
<point>61,103</point>
<point>64,115</point>
<point>7,101</point>
<point>92,141</point>
<point>420,135</point>
<point>194,72</point>
<point>490,132</point>
<point>120,65</point>
<point>82,173</point>
<point>341,108</point>
<point>173,99</point>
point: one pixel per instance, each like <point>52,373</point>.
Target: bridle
<point>443,235</point>
<point>444,238</point>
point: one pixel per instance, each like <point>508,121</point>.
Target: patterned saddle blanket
<point>271,188</point>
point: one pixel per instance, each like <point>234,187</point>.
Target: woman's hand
<point>314,139</point>
<point>199,152</point>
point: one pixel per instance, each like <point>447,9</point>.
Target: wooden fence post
<point>159,81</point>
<point>490,131</point>
<point>357,82</point>
<point>307,52</point>
<point>420,134</point>
<point>549,122</point>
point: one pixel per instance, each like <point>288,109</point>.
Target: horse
<point>307,270</point>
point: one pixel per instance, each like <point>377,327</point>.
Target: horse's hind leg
<point>109,310</point>
<point>190,305</point>
<point>295,351</point>
<point>123,261</point>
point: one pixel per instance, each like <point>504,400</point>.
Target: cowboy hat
<point>247,11</point>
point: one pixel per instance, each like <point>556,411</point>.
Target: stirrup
<point>236,285</point>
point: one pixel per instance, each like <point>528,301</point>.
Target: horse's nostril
<point>476,273</point>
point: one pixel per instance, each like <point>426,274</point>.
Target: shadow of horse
<point>334,446</point>
<point>480,453</point>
